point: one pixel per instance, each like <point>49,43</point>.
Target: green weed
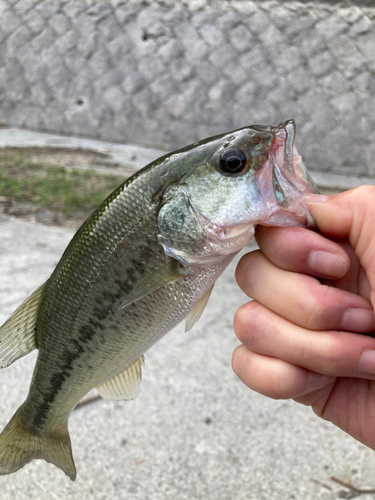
<point>64,189</point>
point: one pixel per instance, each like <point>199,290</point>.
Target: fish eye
<point>233,161</point>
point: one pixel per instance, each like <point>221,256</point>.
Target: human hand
<point>313,294</point>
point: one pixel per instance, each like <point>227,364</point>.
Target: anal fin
<point>17,335</point>
<point>124,385</point>
<point>197,310</point>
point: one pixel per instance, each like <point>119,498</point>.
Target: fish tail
<point>19,446</point>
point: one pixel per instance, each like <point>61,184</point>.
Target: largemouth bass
<point>146,259</point>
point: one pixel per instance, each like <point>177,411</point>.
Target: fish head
<point>253,175</point>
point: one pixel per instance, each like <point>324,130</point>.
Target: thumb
<point>349,215</point>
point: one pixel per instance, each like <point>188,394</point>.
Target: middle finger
<point>302,299</point>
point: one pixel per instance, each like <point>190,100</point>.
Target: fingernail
<point>316,198</point>
<point>327,263</point>
<point>319,380</point>
<point>367,363</point>
<point>358,320</point>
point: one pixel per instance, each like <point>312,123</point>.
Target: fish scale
<point>146,259</point>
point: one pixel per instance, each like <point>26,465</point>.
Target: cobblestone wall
<point>166,73</point>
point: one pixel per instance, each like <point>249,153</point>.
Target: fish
<point>145,260</point>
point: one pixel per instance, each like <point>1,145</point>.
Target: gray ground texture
<point>195,431</point>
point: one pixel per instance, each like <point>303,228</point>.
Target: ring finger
<point>274,377</point>
<point>337,354</point>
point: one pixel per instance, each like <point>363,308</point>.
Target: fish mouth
<point>290,179</point>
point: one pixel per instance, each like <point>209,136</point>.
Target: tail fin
<point>18,447</point>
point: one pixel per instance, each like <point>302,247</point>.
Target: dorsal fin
<point>17,335</point>
<point>197,310</point>
<point>124,385</point>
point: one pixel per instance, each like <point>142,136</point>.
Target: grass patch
<point>23,178</point>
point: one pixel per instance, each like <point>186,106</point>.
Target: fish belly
<point>104,340</point>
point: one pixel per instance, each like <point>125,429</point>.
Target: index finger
<point>299,250</point>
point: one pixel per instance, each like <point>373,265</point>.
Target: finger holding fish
<point>343,396</point>
<point>308,252</point>
<point>333,371</point>
<point>301,251</point>
<point>302,299</point>
<point>328,352</point>
<point>274,377</point>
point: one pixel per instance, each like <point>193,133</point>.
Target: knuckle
<point>246,324</point>
<point>364,201</point>
<point>247,271</point>
<point>333,359</point>
<point>236,360</point>
<point>240,319</point>
<point>274,391</point>
<point>242,270</point>
<point>278,387</point>
<point>239,361</point>
<point>319,312</point>
<point>366,192</point>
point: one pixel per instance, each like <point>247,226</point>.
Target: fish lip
<point>284,155</point>
<point>290,179</point>
<point>302,179</point>
<point>284,136</point>
<point>290,130</point>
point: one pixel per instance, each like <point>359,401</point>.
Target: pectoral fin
<point>164,275</point>
<point>125,385</point>
<point>197,310</point>
<point>17,335</point>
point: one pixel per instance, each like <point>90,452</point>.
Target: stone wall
<point>169,72</point>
